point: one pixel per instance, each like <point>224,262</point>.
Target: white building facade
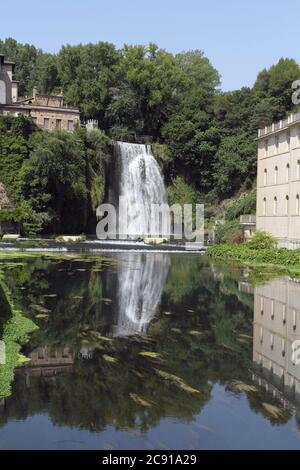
<point>278,181</point>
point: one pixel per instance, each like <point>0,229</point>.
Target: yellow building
<point>278,181</point>
<point>47,112</point>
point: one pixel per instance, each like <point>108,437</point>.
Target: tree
<point>235,162</point>
<point>86,72</point>
<point>54,180</point>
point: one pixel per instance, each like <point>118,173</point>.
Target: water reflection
<point>276,343</point>
<point>130,342</point>
<point>141,281</point>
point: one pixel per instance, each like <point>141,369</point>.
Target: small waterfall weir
<point>140,186</point>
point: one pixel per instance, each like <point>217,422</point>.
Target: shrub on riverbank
<point>229,232</point>
<point>246,254</point>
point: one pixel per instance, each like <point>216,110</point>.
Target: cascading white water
<point>141,281</point>
<point>140,185</point>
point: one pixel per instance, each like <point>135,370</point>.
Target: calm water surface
<point>152,351</point>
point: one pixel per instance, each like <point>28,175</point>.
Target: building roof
<point>284,124</point>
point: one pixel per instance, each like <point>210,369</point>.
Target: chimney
<point>34,92</point>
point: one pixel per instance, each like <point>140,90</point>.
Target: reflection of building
<point>276,333</point>
<point>47,112</point>
<point>46,363</point>
<point>278,181</point>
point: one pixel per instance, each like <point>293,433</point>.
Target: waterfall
<point>141,281</point>
<point>140,185</point>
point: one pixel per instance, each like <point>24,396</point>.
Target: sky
<point>239,37</point>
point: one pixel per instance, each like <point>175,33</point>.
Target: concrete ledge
<point>70,238</point>
<point>155,241</point>
<point>11,237</point>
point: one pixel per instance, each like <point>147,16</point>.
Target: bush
<point>179,192</point>
<point>244,205</point>
<point>262,241</point>
<point>229,232</point>
<point>243,253</point>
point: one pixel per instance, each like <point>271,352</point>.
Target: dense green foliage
<point>229,231</point>
<point>246,204</point>
<point>262,241</point>
<point>244,253</point>
<point>206,136</point>
<point>54,180</point>
<point>14,331</point>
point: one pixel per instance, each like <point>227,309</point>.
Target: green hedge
<point>278,256</point>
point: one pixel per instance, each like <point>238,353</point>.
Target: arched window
<point>297,204</point>
<point>265,177</point>
<point>264,206</point>
<point>272,310</point>
<point>287,201</point>
<point>275,206</point>
<point>272,341</point>
<point>276,175</point>
<point>284,314</point>
<point>266,146</point>
<point>288,172</point>
<point>288,138</point>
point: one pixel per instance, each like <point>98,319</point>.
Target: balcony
<point>248,219</point>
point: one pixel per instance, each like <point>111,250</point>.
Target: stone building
<point>47,112</point>
<point>278,181</point>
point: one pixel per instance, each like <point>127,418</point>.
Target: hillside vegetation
<point>204,138</point>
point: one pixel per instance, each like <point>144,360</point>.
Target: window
<point>265,177</point>
<point>275,206</point>
<point>277,142</point>
<point>264,206</point>
<point>65,353</point>
<point>34,120</point>
<point>297,205</point>
<point>276,175</point>
<point>288,138</point>
<point>287,200</point>
<point>40,353</point>
<point>288,173</point>
<point>272,341</point>
<point>294,320</point>
<point>298,170</point>
<point>266,146</point>
<point>70,126</point>
<point>58,124</point>
<point>284,314</point>
<point>46,123</point>
<point>2,92</point>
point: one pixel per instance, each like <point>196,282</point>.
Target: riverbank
<point>288,261</point>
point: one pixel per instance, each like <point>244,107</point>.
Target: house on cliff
<point>46,111</point>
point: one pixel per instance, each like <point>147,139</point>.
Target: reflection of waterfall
<point>140,185</point>
<point>140,286</point>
